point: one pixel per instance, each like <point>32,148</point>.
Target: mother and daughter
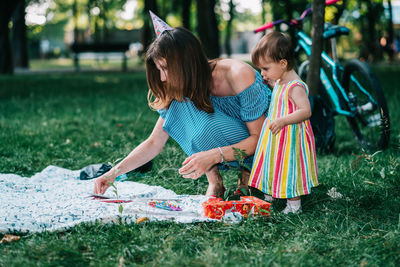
<point>210,107</point>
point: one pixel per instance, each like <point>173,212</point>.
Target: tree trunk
<point>370,50</point>
<point>102,16</point>
<point>263,11</point>
<point>228,34</point>
<point>207,27</point>
<point>318,14</point>
<point>289,11</point>
<point>6,10</point>
<point>390,30</point>
<point>147,31</point>
<point>75,18</point>
<point>6,65</point>
<point>89,17</point>
<point>372,46</point>
<point>19,40</point>
<point>186,14</point>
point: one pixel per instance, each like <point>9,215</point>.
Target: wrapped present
<point>216,208</point>
<point>260,207</point>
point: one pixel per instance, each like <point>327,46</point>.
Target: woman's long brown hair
<point>189,73</point>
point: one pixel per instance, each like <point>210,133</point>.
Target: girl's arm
<point>199,163</point>
<point>142,154</point>
<point>299,97</point>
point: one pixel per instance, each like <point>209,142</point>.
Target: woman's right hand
<point>101,184</point>
<point>199,163</point>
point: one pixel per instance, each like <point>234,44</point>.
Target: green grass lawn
<point>72,120</point>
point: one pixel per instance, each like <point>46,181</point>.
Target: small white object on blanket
<point>55,199</point>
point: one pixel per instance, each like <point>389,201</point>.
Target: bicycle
<point>352,91</point>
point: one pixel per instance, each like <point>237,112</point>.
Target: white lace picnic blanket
<point>55,199</point>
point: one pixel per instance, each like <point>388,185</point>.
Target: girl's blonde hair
<point>275,45</point>
<point>189,73</point>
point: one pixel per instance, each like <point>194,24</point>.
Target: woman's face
<point>161,65</point>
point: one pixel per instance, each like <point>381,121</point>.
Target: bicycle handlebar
<point>305,13</point>
<point>331,2</point>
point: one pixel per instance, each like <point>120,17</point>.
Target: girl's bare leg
<point>215,184</point>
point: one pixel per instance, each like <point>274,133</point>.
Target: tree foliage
<point>206,18</point>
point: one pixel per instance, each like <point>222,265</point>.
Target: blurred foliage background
<point>47,29</point>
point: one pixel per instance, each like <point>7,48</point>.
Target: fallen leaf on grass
<point>142,219</point>
<point>10,238</point>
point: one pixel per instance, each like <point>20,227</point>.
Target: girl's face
<point>161,65</point>
<point>272,70</point>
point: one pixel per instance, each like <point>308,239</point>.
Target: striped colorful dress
<point>284,165</point>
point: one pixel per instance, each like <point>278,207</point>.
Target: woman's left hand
<point>198,164</point>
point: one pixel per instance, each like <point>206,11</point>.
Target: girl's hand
<point>199,163</point>
<point>277,125</point>
<point>101,184</point>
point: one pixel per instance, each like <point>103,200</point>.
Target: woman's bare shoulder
<point>239,74</point>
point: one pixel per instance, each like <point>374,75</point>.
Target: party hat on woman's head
<point>159,24</point>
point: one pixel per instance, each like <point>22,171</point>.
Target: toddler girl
<point>284,163</point>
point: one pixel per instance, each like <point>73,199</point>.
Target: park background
<point>48,29</point>
<point>53,112</point>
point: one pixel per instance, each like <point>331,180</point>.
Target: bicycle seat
<point>334,30</point>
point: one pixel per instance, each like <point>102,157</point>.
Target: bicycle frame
<point>304,41</point>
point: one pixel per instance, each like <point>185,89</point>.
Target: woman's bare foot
<point>215,190</point>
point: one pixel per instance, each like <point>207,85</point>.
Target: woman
<point>208,108</point>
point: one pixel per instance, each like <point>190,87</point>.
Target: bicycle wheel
<point>371,124</point>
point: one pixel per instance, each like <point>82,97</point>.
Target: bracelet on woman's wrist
<point>222,155</point>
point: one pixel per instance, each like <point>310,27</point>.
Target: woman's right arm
<point>142,154</point>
